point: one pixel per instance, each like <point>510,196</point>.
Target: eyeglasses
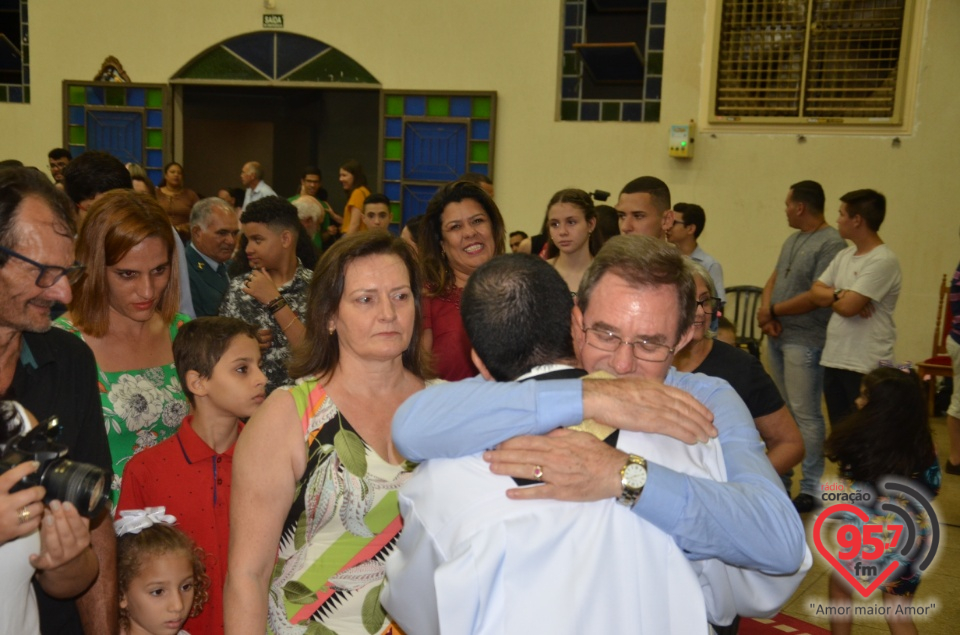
<point>709,305</point>
<point>644,350</point>
<point>49,274</point>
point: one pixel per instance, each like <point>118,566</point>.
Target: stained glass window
<point>14,52</point>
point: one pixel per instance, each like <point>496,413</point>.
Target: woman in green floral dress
<point>125,308</point>
<point>314,509</point>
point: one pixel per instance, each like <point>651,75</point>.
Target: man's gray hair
<point>200,214</point>
<point>308,207</point>
<point>257,169</point>
<point>644,261</point>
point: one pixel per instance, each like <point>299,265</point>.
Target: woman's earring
<point>331,329</point>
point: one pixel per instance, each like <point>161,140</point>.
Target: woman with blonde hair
<point>125,308</point>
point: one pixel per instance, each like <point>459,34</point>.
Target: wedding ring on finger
<point>23,515</point>
<point>538,472</point>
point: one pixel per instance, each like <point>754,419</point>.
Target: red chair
<point>939,364</point>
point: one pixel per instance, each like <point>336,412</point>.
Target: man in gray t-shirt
<point>797,327</point>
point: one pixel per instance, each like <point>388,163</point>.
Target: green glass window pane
<point>610,111</point>
<point>651,111</point>
<point>571,64</point>
<point>394,105</point>
<point>26,94</point>
<point>77,96</point>
<point>332,66</point>
<point>654,63</point>
<point>395,213</point>
<point>393,149</point>
<point>569,110</point>
<point>154,138</point>
<point>155,98</point>
<point>479,152</point>
<point>438,106</point>
<point>481,107</point>
<point>115,97</point>
<point>78,135</point>
<point>3,94</point>
<point>221,64</point>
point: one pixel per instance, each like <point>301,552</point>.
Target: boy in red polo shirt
<point>218,363</point>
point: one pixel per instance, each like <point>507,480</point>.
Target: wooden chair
<point>741,309</point>
<point>939,364</point>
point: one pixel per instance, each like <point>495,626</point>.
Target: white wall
<point>513,47</point>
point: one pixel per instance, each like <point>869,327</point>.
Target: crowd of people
<point>575,411</point>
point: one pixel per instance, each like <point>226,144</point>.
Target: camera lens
<point>81,484</point>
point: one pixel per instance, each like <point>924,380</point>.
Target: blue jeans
<point>798,374</point>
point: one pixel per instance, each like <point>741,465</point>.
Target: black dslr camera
<point>83,485</point>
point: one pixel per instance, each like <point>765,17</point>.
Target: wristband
<point>773,314</point>
<point>836,294</point>
<point>276,304</point>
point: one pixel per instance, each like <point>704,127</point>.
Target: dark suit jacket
<point>206,285</point>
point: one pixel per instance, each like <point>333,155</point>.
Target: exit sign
<point>272,21</point>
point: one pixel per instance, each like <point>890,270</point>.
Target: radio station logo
<point>890,531</point>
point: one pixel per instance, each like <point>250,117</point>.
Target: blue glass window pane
<point>415,106</point>
<point>434,151</point>
<point>394,127</point>
<point>77,150</point>
<point>255,48</point>
<point>570,37</point>
<point>415,198</point>
<point>590,111</point>
<point>391,170</point>
<point>658,13</point>
<point>392,191</point>
<point>119,133</point>
<point>632,112</point>
<point>480,129</point>
<point>95,96</point>
<point>154,119</point>
<point>155,159</point>
<point>571,16</point>
<point>293,50</point>
<point>459,106</point>
<point>156,176</point>
<point>653,87</point>
<point>656,40</point>
<point>15,94</point>
<point>480,168</point>
<point>137,97</point>
<point>571,87</point>
<point>77,116</point>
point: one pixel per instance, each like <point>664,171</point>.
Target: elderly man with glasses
<point>50,371</point>
<point>630,320</point>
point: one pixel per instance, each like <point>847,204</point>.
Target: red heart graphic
<point>818,541</point>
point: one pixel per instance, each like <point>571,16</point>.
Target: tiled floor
<point>940,584</point>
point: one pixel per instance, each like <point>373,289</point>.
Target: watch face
<point>635,475</point>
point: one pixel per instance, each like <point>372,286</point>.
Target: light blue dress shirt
<point>747,521</point>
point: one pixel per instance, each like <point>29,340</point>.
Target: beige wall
<point>512,47</point>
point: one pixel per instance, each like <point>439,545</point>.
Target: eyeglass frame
<point>69,272</point>
<point>717,301</point>
<point>633,345</point>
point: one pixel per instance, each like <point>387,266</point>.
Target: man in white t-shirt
<point>861,285</point>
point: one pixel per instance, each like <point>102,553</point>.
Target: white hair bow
<point>133,521</point>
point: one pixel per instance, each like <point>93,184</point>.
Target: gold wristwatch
<point>633,476</point>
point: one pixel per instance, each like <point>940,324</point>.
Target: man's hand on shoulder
<point>574,466</point>
<point>645,405</point>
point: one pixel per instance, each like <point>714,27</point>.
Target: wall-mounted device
<point>681,140</point>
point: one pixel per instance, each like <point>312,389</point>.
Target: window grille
<point>811,61</point>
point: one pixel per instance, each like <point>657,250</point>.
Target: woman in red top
<point>462,229</point>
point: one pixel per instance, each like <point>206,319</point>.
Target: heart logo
<point>880,578</point>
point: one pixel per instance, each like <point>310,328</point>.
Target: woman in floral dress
<point>314,510</point>
<point>125,308</point>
